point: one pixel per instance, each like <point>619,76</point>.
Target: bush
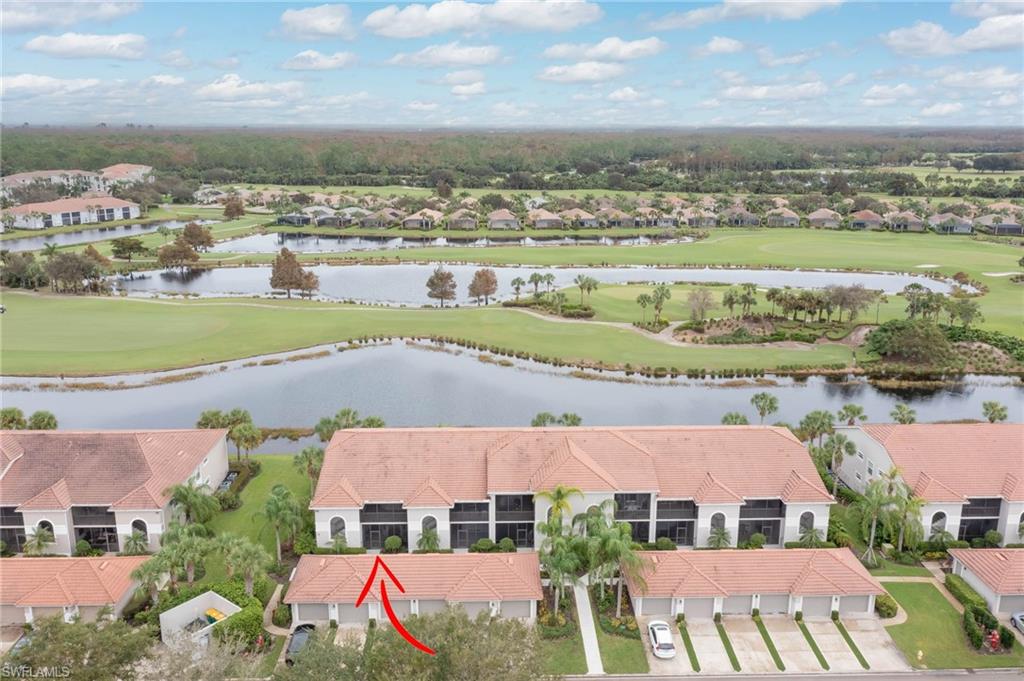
<point>756,612</point>
<point>798,545</point>
<point>985,618</point>
<point>835,615</point>
<point>974,633</point>
<point>885,606</point>
<point>664,544</point>
<point>392,544</point>
<point>1006,638</point>
<point>799,616</point>
<point>85,550</point>
<point>756,541</point>
<point>506,545</point>
<point>282,616</point>
<point>229,501</point>
<point>718,618</point>
<point>681,619</point>
<point>483,545</point>
<point>963,592</point>
<point>305,542</point>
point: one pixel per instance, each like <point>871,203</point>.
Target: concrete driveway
<point>875,645</point>
<point>749,646</point>
<point>709,649</point>
<point>10,634</point>
<point>678,665</point>
<point>792,646</point>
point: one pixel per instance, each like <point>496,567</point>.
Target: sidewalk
<point>587,630</point>
<point>268,615</point>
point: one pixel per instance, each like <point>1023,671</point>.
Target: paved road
<point>979,675</point>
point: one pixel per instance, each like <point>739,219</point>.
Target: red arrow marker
<point>395,622</point>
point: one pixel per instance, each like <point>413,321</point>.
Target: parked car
<point>300,637</point>
<point>1017,621</point>
<point>661,640</point>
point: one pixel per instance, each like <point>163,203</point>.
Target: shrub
<point>664,544</point>
<point>756,541</point>
<point>799,616</point>
<point>392,544</point>
<point>885,606</point>
<point>506,545</point>
<point>304,543</point>
<point>229,501</point>
<point>282,616</point>
<point>973,631</point>
<point>963,592</point>
<point>1006,638</point>
<point>985,618</point>
<point>798,545</point>
<point>718,618</point>
<point>681,619</point>
<point>84,549</point>
<point>756,612</point>
<point>835,615</point>
<point>483,545</point>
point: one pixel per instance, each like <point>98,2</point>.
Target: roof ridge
<point>570,450</point>
<point>474,573</point>
<point>99,577</point>
<point>810,567</point>
<point>694,570</point>
<point>710,479</point>
<point>631,442</point>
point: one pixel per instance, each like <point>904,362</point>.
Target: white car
<point>661,640</point>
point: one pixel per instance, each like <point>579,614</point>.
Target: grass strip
<point>770,643</point>
<point>853,646</point>
<point>814,646</point>
<point>728,646</point>
<point>688,644</point>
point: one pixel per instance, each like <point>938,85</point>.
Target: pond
<point>309,243</point>
<point>412,385</point>
<point>84,236</point>
<point>405,284</point>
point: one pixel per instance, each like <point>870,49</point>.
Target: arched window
<point>718,521</point>
<point>140,526</point>
<point>45,525</point>
<point>429,524</point>
<point>938,523</point>
<point>337,527</point>
<point>806,521</point>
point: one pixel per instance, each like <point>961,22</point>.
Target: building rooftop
<point>54,582</point>
<point>119,171</point>
<point>71,205</point>
<point>1001,570</point>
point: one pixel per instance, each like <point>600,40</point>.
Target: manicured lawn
<point>563,655</point>
<point>934,629</point>
<point>890,569</point>
<point>275,469</point>
<point>620,655</point>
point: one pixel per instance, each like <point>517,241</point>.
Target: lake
<point>405,284</point>
<point>84,236</point>
<point>414,386</point>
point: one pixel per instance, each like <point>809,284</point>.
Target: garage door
<point>817,606</point>
<point>431,607</point>
<point>774,604</point>
<point>313,612</point>
<point>737,605</point>
<point>10,614</point>
<point>475,607</point>
<point>657,606</point>
<point>40,613</point>
<point>401,608</point>
<point>699,608</point>
<point>1011,604</point>
<point>515,608</point>
<point>350,614</point>
<point>854,604</point>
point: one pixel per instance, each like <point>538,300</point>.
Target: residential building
<point>336,220</point>
<point>865,219</point>
<point>463,218</point>
<point>950,223</point>
<point>470,483</point>
<point>782,217</point>
<point>317,211</point>
<point>31,588</point>
<point>100,486</point>
<point>579,218</point>
<point>905,221</point>
<point>126,173</point>
<point>541,218</point>
<point>698,217</point>
<point>966,497</point>
<point>994,223</point>
<point>382,219</point>
<point>647,216</point>
<point>701,584</point>
<point>74,180</point>
<point>72,211</point>
<point>326,588</point>
<point>738,216</point>
<point>208,195</point>
<point>294,219</point>
<point>996,574</point>
<point>502,218</point>
<point>823,218</point>
<point>1004,207</point>
<point>613,217</point>
<point>424,219</point>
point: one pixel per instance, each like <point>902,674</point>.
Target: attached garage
<point>473,608</point>
<point>817,606</point>
<point>1011,604</point>
<point>515,609</point>
<point>698,608</point>
<point>431,607</point>
<point>402,609</point>
<point>854,605</point>
<point>40,613</point>
<point>737,605</point>
<point>774,604</point>
<point>313,612</point>
<point>350,614</point>
<point>656,606</point>
<point>10,614</point>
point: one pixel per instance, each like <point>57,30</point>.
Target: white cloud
<point>846,79</point>
<point>711,103</point>
<point>993,78</point>
<point>463,77</point>
<point>510,110</point>
<point>176,59</point>
<point>781,10</point>
<point>311,60</point>
<point>767,57</point>
<point>884,95</point>
<point>582,72</point>
<point>626,94</point>
<point>731,77</point>
<point>27,16</point>
<point>449,54</point>
<point>419,20</point>
<point>942,109</point>
<point>609,49</point>
<point>928,39</point>
<point>719,45</point>
<point>32,85</point>
<point>417,105</point>
<point>980,9</point>
<point>231,88</point>
<point>1004,99</point>
<point>808,90</point>
<point>89,45</point>
<point>180,32</point>
<point>164,79</point>
<point>469,89</point>
<point>318,23</point>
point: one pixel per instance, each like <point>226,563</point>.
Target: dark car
<point>300,637</point>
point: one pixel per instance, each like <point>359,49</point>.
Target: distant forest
<point>762,161</point>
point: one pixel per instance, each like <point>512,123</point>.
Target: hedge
<point>820,545</point>
<point>885,606</point>
<point>963,592</point>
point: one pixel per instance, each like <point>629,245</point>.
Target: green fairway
<point>934,630</point>
<point>92,336</point>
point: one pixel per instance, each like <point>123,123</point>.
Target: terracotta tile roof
<point>868,215</point>
<point>947,218</point>
<point>71,205</point>
<point>729,572</point>
<point>501,214</point>
<point>454,577</point>
<point>994,219</point>
<point>906,216</point>
<point>723,464</point>
<point>426,213</point>
<point>1004,205</point>
<point>429,495</point>
<point>576,214</point>
<point>54,582</point>
<point>784,212</point>
<point>542,214</point>
<point>823,214</point>
<point>931,458</point>
<point>613,214</point>
<point>120,171</point>
<point>32,175</point>
<point>121,469</point>
<point>463,213</point>
<point>1001,570</point>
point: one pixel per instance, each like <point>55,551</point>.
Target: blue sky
<point>511,63</point>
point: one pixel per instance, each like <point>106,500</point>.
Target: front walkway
<point>268,615</point>
<point>585,617</point>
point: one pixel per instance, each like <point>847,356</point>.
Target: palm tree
<point>190,552</point>
<point>661,294</point>
<point>810,538</point>
<point>176,531</point>
<point>249,560</point>
<point>901,413</point>
<point>765,403</point>
<point>517,284</point>
<point>907,513</point>
<point>871,506</point>
<point>172,558</point>
<point>150,575</point>
<point>734,418</point>
<point>617,549</point>
<point>224,544</point>
<point>50,250</point>
<point>535,280</point>
<point>773,296</point>
<point>549,280</point>
<point>135,544</point>
<point>730,299</point>
<point>557,301</point>
<point>558,556</point>
<point>719,538</point>
<point>836,447</point>
<point>37,540</point>
<point>310,460</point>
<point>643,300</point>
<point>817,424</point>
<point>283,512</point>
<point>582,281</point>
<point>246,437</point>
<point>851,413</point>
<point>194,500</point>
<point>560,499</point>
<point>994,411</point>
<point>428,541</point>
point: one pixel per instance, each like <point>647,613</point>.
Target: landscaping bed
<point>624,624</point>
